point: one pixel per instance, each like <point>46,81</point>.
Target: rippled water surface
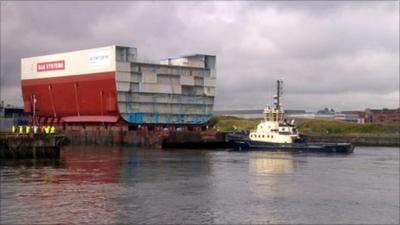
<point>127,185</point>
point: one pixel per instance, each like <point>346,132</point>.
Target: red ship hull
<point>86,96</point>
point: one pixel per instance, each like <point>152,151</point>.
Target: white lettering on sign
<point>99,59</point>
<point>48,66</point>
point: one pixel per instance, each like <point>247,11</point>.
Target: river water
<point>97,185</point>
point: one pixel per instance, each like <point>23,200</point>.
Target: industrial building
<point>258,113</point>
<point>11,115</point>
<point>110,85</point>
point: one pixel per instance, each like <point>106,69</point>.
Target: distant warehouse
<point>110,85</point>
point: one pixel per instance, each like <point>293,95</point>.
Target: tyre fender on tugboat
<point>242,146</point>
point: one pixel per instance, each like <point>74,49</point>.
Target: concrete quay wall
<point>145,138</point>
<point>198,139</point>
<point>31,146</point>
<point>114,137</point>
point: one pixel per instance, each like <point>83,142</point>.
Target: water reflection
<point>112,185</point>
<point>166,186</point>
<point>79,187</point>
<point>272,163</point>
<point>91,164</point>
<point>30,163</point>
<point>126,185</point>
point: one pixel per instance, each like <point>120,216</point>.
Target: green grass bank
<point>313,126</point>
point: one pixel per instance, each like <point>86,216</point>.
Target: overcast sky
<point>338,54</point>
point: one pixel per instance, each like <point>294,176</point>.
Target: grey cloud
<point>321,9</point>
<point>326,52</point>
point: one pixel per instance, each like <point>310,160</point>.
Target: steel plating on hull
<point>109,84</point>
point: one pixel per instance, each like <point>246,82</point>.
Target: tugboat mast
<point>279,84</point>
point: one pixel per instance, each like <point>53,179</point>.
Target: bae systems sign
<point>49,66</point>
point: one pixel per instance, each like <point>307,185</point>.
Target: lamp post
<point>1,102</point>
<point>34,110</point>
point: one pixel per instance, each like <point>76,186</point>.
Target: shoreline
<point>204,140</point>
<point>208,139</point>
<point>357,139</point>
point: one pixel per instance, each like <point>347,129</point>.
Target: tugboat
<point>276,133</point>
